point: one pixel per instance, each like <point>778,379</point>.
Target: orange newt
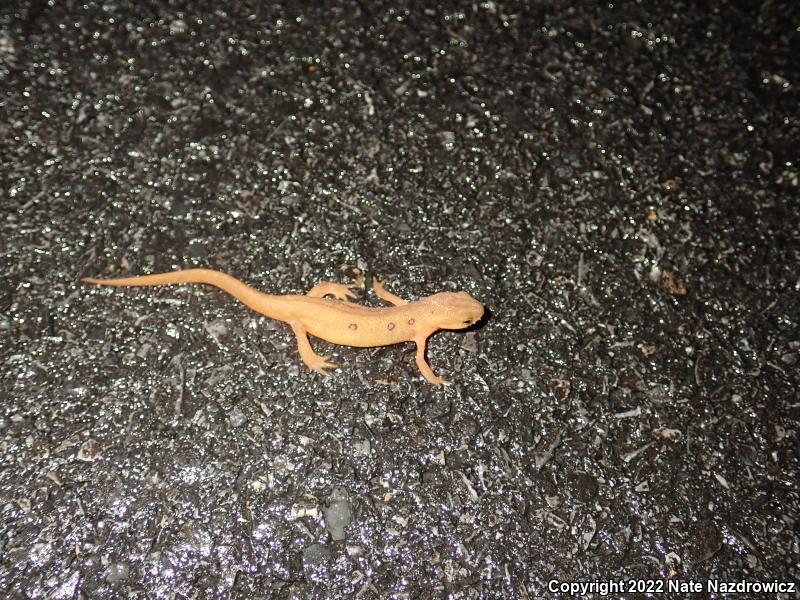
<point>337,320</point>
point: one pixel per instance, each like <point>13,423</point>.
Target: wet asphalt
<point>616,183</point>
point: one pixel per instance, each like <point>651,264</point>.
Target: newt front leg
<point>380,292</point>
<point>423,365</point>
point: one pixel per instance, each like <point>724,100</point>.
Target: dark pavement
<point>617,183</point>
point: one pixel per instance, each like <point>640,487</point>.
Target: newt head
<point>453,310</point>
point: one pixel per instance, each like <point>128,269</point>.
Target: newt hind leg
<point>328,288</point>
<point>313,361</point>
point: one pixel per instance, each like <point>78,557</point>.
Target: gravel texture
<point>618,183</point>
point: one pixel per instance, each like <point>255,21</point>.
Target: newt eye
<point>467,321</point>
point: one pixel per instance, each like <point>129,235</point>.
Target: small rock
<point>338,513</point>
<point>237,417</point>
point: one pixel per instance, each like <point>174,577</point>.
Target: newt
<point>337,319</point>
